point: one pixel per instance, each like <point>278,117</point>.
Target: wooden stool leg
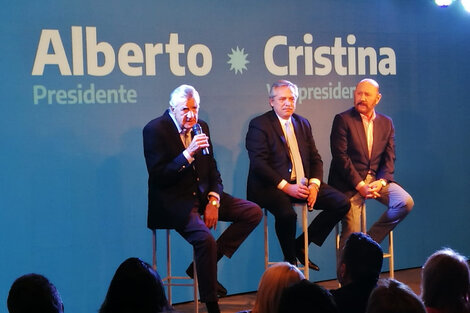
<point>168,264</point>
<point>391,252</point>
<point>196,285</point>
<point>168,280</point>
<point>305,229</point>
<point>363,219</point>
<point>266,242</point>
<point>154,249</point>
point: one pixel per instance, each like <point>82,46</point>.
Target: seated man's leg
<point>399,204</point>
<point>351,222</point>
<point>333,205</point>
<point>244,215</point>
<point>205,249</point>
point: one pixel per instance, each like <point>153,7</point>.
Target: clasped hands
<point>371,190</point>
<point>302,192</point>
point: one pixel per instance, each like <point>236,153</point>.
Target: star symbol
<point>238,60</point>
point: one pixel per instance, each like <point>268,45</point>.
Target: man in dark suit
<point>184,183</point>
<point>285,168</point>
<point>363,164</point>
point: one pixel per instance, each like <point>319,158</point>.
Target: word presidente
<point>90,95</point>
<point>133,60</point>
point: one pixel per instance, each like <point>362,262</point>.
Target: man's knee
<point>255,214</point>
<point>409,203</point>
<point>344,205</point>
<point>405,204</point>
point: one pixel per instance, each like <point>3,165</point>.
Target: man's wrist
<point>282,184</point>
<point>214,201</point>
<point>315,183</point>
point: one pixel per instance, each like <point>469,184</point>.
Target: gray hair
<point>284,83</point>
<point>183,93</point>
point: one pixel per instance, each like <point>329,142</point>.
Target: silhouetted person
<point>358,272</point>
<point>306,297</point>
<point>392,296</point>
<point>271,285</point>
<point>445,283</point>
<point>34,293</point>
<point>135,288</point>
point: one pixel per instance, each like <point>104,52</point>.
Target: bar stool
<point>305,230</point>
<point>388,254</point>
<point>168,279</point>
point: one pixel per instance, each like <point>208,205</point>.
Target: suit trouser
<point>398,201</point>
<point>243,214</point>
<point>333,205</point>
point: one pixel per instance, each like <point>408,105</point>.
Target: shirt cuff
<point>315,181</point>
<point>282,184</point>
<point>188,157</point>
<point>214,194</point>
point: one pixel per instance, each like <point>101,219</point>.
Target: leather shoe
<point>301,257</point>
<point>221,291</point>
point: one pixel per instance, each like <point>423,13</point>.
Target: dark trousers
<point>333,205</point>
<point>243,214</point>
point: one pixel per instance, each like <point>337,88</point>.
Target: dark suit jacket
<point>175,186</point>
<point>351,162</point>
<point>269,155</point>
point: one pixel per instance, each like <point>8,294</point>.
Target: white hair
<point>183,93</point>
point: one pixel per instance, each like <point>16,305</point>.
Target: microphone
<point>304,181</point>
<point>197,129</point>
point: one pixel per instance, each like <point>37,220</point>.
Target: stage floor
<point>239,302</point>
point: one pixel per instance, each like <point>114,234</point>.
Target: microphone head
<point>197,129</point>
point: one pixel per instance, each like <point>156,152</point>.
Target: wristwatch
<point>383,182</point>
<point>215,203</point>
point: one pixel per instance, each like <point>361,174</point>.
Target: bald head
<point>366,97</point>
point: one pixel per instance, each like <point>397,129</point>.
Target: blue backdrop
<point>81,78</point>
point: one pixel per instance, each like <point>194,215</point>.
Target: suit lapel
<point>173,132</point>
<point>377,134</point>
<point>300,139</point>
<point>361,133</point>
<point>279,132</point>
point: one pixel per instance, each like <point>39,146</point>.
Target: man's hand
<point>199,142</point>
<point>374,188</point>
<point>312,196</point>
<point>364,191</point>
<point>211,216</point>
<point>370,191</point>
<point>296,191</point>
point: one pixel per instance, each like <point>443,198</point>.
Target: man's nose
<point>190,115</point>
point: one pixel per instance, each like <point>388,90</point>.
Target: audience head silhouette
<point>135,287</point>
<point>392,296</point>
<point>445,283</point>
<point>34,293</point>
<point>273,282</point>
<point>361,260</point>
<point>306,297</point>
